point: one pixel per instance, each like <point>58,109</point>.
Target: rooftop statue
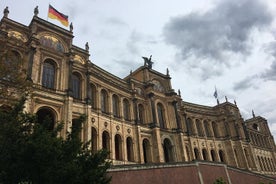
<point>36,11</point>
<point>6,11</point>
<point>148,62</point>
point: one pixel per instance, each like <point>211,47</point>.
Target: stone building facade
<point>139,119</point>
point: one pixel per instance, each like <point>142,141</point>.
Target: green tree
<point>219,181</point>
<point>13,76</point>
<point>31,153</point>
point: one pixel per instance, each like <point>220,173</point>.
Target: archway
<point>46,117</point>
<point>146,151</point>
<point>213,155</point>
<point>94,140</point>
<point>196,152</point>
<point>106,141</point>
<point>221,156</point>
<point>129,145</point>
<point>205,154</point>
<point>118,147</point>
<point>168,150</point>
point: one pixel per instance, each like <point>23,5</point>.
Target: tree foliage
<point>12,75</point>
<point>219,181</point>
<point>31,153</point>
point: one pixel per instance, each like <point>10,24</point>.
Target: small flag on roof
<point>54,14</point>
<point>216,93</point>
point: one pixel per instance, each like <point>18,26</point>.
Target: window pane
<point>48,77</point>
<point>76,86</point>
<point>160,112</point>
<point>126,110</point>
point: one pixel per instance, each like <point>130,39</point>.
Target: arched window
<point>48,75</point>
<point>168,152</point>
<point>213,155</point>
<point>118,147</point>
<point>115,105</point>
<point>94,140</point>
<point>129,145</point>
<point>215,129</point>
<point>104,101</point>
<point>263,162</point>
<point>196,152</point>
<point>146,151</point>
<point>188,153</point>
<point>260,163</point>
<point>93,96</point>
<point>141,113</point>
<point>221,156</point>
<point>126,108</point>
<point>76,85</point>
<point>268,164</point>
<point>190,127</point>
<point>207,128</point>
<point>256,127</point>
<point>76,127</point>
<point>161,115</point>
<point>106,141</point>
<point>199,128</point>
<point>272,164</point>
<point>205,154</point>
<point>46,117</point>
<point>237,158</point>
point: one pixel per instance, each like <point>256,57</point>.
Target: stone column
<point>245,132</point>
<point>151,95</point>
<point>30,63</point>
<point>138,155</point>
<point>187,125</point>
<point>88,91</point>
<point>135,110</point>
<point>158,152</point>
<point>176,115</point>
<point>226,128</point>
<point>70,68</point>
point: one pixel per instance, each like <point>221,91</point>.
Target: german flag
<point>54,14</point>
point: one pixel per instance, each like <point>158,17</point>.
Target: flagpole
<point>216,95</point>
<point>48,10</point>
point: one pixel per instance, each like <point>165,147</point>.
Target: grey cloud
<point>121,65</point>
<point>137,41</point>
<point>217,34</point>
<point>115,21</point>
<point>74,9</point>
<point>270,74</point>
<point>132,43</point>
<point>246,83</point>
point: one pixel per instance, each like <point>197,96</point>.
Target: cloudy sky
<point>229,44</point>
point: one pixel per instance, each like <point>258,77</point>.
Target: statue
<point>71,27</point>
<point>86,46</point>
<point>226,99</point>
<point>253,114</point>
<point>6,11</point>
<point>36,11</point>
<point>148,62</point>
